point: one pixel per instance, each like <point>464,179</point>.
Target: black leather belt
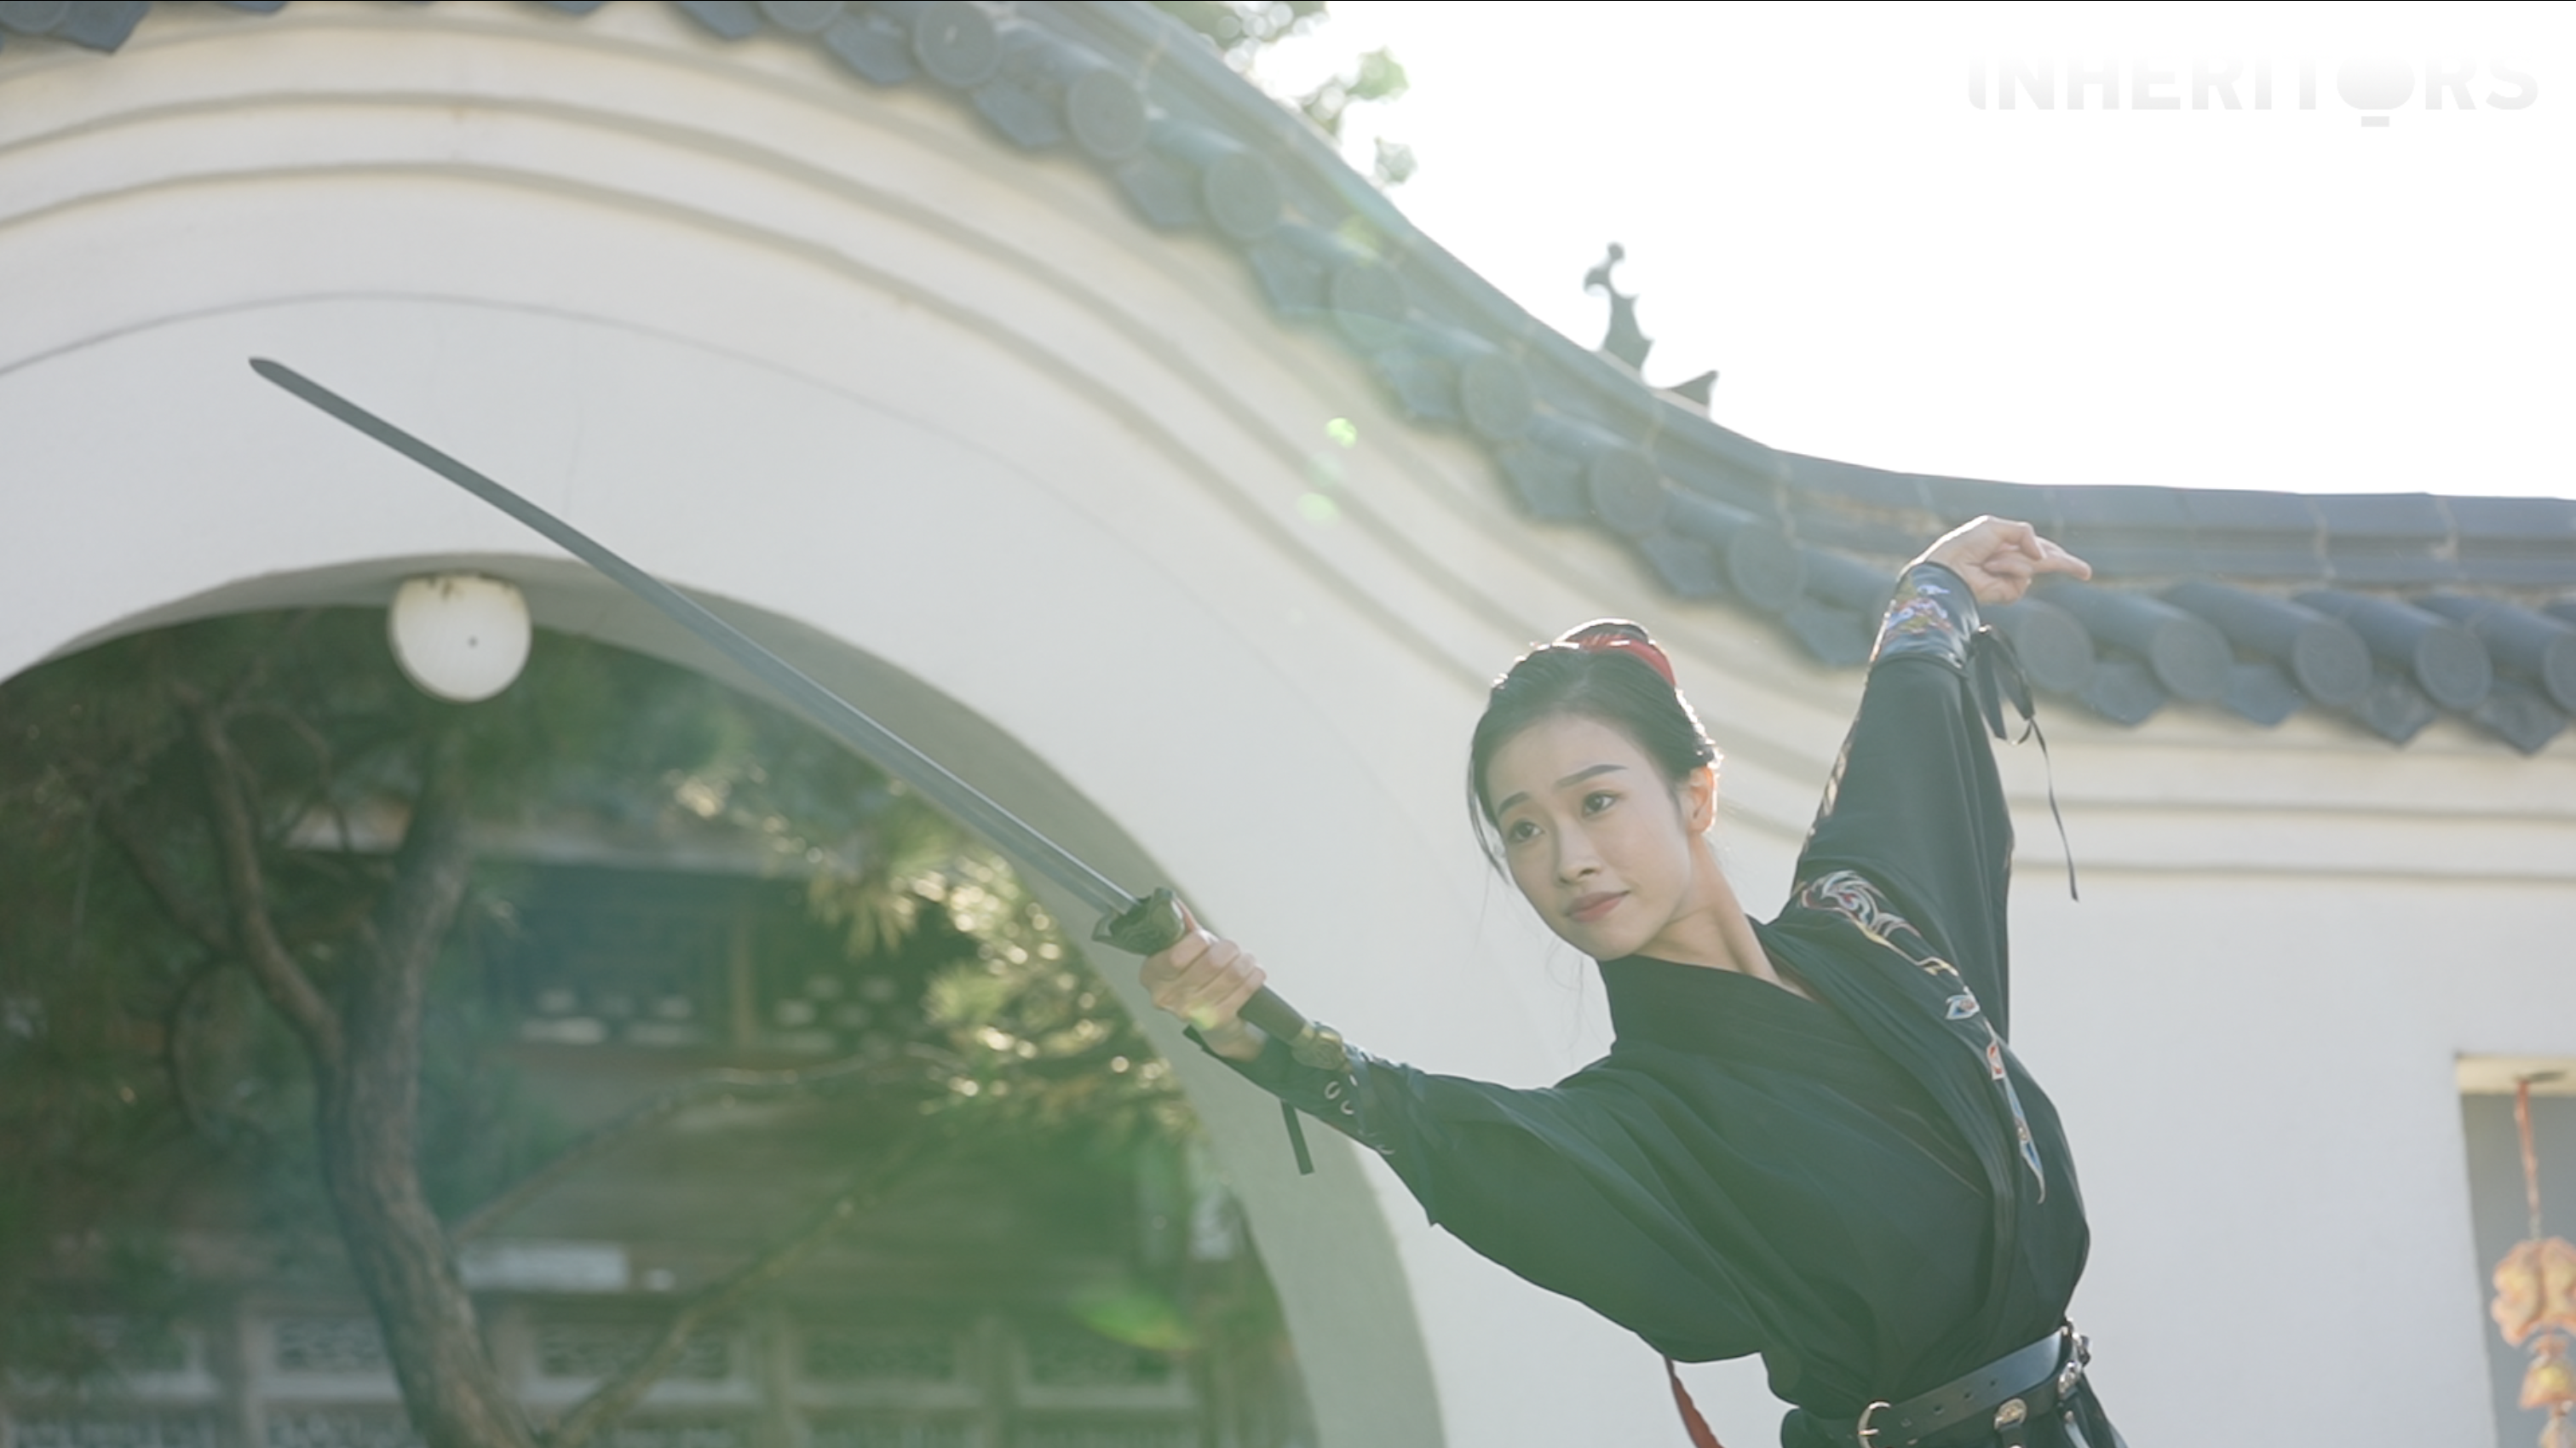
<point>2001,1397</point>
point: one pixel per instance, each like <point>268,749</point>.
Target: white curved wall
<point>925,409</point>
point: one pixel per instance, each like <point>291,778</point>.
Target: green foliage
<point>1242,28</point>
<point>1376,76</point>
<point>1044,1047</point>
<point>146,1084</point>
<point>1394,165</point>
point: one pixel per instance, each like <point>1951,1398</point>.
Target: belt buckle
<point>1862,1432</point>
<point>2079,1353</point>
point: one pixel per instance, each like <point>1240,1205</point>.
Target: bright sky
<point>1886,273</point>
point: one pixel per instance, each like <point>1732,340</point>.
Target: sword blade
<point>1006,831</point>
<point>1138,926</point>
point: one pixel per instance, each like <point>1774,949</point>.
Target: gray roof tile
<point>2521,717</point>
<point>2328,661</point>
<point>2443,658</point>
<point>1767,572</point>
<point>2188,655</point>
<point>2395,709</point>
<point>729,19</point>
<point>1686,566</point>
<point>957,44</point>
<point>2525,644</point>
<point>2259,691</point>
<point>2123,691</point>
<point>102,24</point>
<point>1846,582</point>
<point>2056,653</point>
<point>1841,637</point>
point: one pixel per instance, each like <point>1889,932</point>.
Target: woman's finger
<point>1217,999</point>
<point>2057,560</point>
<point>1213,975</point>
<point>1177,957</point>
<point>1164,972</point>
<point>1247,986</point>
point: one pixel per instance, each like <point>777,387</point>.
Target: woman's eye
<point>1519,830</point>
<point>1598,800</point>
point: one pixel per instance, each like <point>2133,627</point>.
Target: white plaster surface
<point>899,396</point>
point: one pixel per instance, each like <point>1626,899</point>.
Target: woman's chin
<point>1602,941</point>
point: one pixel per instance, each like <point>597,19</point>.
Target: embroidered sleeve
<point>1932,613</point>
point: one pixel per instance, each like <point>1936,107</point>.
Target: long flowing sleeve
<point>1604,1187</point>
<point>1914,805</point>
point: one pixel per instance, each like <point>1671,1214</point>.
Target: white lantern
<point>459,636</point>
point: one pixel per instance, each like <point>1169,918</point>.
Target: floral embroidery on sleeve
<point>1855,899</point>
<point>1932,613</point>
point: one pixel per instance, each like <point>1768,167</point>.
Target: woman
<point>1809,1140</point>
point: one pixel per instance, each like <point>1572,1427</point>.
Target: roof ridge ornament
<point>1628,344</point>
<point>1625,341</point>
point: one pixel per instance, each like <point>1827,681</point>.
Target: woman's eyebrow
<point>1577,777</point>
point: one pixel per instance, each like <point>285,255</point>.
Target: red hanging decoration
<point>2536,1297</point>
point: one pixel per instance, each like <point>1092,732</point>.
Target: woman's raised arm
<point>1914,805</point>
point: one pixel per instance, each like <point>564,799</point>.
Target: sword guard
<point>1151,924</point>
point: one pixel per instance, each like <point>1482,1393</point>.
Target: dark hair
<point>1610,671</point>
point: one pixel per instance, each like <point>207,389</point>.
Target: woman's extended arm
<point>1563,1185</point>
<point>1914,805</point>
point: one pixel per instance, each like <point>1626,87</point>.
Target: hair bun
<point>1619,636</point>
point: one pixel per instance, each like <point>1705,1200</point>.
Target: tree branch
<point>175,1052</point>
<point>610,1401</point>
<point>237,844</point>
<point>852,1070</point>
<point>367,1109</point>
<point>415,910</point>
<point>207,930</point>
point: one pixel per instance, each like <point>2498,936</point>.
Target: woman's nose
<point>1575,858</point>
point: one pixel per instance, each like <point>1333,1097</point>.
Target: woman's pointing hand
<point>1999,558</point>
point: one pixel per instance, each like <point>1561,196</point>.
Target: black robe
<point>1865,1188</point>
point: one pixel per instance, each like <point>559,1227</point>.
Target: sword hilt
<point>1152,924</point>
<point>1156,923</point>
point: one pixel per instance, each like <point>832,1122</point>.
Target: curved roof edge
<point>2389,611</point>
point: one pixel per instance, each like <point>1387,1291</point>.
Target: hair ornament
<point>1619,636</point>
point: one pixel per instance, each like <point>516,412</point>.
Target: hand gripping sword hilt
<point>1156,923</point>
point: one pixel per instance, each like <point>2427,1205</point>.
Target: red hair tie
<point>1618,636</point>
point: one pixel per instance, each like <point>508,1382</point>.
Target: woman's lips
<point>1587,909</point>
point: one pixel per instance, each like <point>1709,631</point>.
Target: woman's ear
<point>1698,795</point>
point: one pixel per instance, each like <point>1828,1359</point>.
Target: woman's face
<point>1599,842</point>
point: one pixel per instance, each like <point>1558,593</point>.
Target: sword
<point>1137,926</point>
